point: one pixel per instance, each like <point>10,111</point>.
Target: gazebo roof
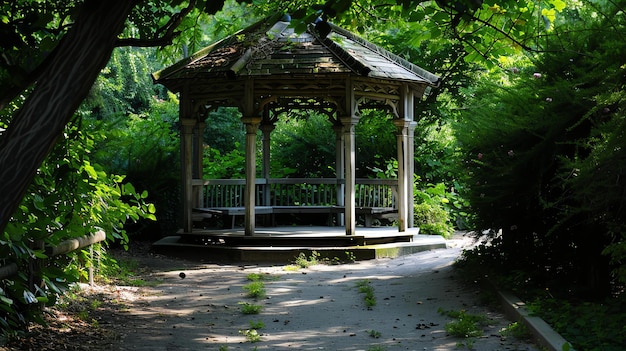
<point>271,47</point>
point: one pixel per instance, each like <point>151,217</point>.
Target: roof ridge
<point>354,64</point>
<point>198,55</point>
<point>431,77</point>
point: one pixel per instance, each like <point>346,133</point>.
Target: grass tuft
<point>256,289</point>
<point>250,308</point>
<point>367,289</point>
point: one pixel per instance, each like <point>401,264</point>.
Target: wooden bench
<point>370,213</point>
<point>375,198</point>
<point>331,211</point>
<point>229,212</point>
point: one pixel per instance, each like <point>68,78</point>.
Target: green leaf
<point>39,254</point>
<point>91,171</point>
<point>416,16</point>
<point>549,15</point>
<point>129,189</point>
<point>435,32</point>
<point>559,5</point>
<point>5,300</point>
<point>42,299</point>
<point>440,17</point>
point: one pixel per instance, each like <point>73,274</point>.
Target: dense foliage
<point>543,147</point>
<point>69,198</point>
<point>137,122</point>
<point>544,161</point>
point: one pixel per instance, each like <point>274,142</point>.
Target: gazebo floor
<point>284,244</point>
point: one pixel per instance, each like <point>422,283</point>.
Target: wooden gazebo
<point>268,68</point>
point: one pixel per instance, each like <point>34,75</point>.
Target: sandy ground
<point>317,308</point>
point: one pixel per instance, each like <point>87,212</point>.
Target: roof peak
<point>273,47</point>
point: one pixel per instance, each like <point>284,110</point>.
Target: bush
<point>432,209</point>
<point>432,219</point>
<point>70,197</point>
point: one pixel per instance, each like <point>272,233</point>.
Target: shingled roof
<point>271,47</point>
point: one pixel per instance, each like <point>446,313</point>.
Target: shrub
<point>70,197</point>
<point>432,219</point>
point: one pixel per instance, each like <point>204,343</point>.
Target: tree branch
<point>506,35</point>
<point>9,93</point>
<point>164,35</point>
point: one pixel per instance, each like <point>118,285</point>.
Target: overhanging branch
<point>504,34</point>
<point>164,35</point>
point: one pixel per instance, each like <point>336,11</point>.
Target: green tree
<point>140,136</point>
<point>224,130</point>
<point>542,157</point>
<point>376,143</point>
<point>52,54</point>
<point>303,145</point>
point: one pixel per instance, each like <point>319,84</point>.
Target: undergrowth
<point>255,289</point>
<point>315,258</point>
<point>365,287</point>
<point>125,272</point>
<point>590,325</point>
<point>465,325</point>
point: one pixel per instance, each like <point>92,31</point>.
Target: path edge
<point>542,332</point>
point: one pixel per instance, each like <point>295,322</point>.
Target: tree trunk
<point>62,86</point>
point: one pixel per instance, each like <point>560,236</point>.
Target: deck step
<point>284,253</point>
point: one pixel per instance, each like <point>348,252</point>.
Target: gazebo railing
<point>218,193</point>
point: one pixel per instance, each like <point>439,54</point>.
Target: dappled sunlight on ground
<point>318,308</point>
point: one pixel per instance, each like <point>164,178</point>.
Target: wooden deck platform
<point>284,244</point>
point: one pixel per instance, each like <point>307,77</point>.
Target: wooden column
<point>186,158</point>
<point>340,166</point>
<point>405,157</point>
<point>402,141</point>
<point>198,156</point>
<point>411,175</point>
<point>266,129</point>
<point>252,126</point>
<point>350,173</point>
<point>349,120</point>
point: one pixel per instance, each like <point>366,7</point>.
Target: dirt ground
<point>316,308</point>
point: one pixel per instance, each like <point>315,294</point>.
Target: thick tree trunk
<point>58,92</point>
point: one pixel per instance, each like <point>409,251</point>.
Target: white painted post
<point>411,175</point>
<point>252,125</point>
<point>340,171</point>
<point>350,173</point>
<point>402,137</point>
<point>186,145</point>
